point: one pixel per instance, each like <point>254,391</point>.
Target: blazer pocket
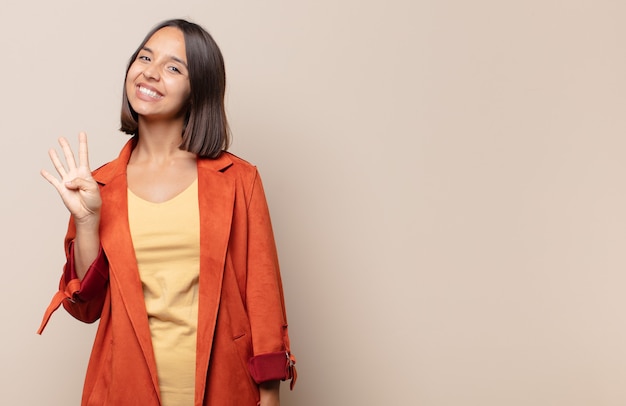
<point>243,347</point>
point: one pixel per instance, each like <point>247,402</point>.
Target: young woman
<point>170,245</point>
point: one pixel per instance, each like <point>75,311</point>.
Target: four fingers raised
<point>70,169</point>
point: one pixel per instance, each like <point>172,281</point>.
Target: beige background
<point>446,180</point>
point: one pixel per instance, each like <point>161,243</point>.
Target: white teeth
<point>149,92</point>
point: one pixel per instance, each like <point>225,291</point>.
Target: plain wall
<point>446,182</point>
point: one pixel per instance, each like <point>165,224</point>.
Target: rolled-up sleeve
<point>272,358</point>
<point>83,299</point>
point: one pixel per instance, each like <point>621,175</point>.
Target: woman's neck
<point>158,141</point>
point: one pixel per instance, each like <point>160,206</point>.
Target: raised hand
<point>77,188</point>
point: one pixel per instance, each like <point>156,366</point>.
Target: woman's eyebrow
<point>172,57</point>
<point>179,61</point>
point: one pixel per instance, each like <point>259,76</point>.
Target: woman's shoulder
<point>232,167</point>
<point>106,172</point>
<point>110,170</point>
<point>230,164</point>
<point>115,167</point>
<point>239,162</point>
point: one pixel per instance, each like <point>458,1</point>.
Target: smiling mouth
<point>149,93</point>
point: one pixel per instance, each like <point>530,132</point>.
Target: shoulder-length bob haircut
<point>206,131</point>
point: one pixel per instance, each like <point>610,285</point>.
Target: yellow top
<point>166,237</point>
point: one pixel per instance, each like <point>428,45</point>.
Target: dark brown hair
<point>206,131</point>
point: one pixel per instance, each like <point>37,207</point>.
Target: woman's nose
<point>150,72</point>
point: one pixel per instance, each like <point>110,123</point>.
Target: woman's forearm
<point>270,393</point>
<point>86,245</point>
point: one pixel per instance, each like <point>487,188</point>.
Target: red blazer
<point>242,336</point>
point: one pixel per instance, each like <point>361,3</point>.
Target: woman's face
<point>157,83</point>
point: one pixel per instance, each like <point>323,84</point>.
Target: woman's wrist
<point>270,393</point>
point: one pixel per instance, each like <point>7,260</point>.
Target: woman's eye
<point>143,58</point>
<point>174,69</point>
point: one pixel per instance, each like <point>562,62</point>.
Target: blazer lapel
<point>216,195</point>
<point>116,239</point>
